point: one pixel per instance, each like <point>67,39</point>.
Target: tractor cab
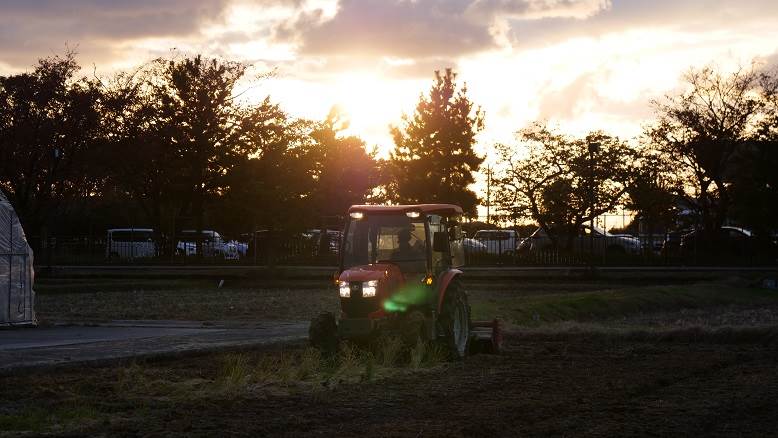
<point>398,271</point>
<point>400,247</point>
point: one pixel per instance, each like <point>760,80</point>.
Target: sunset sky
<point>580,64</point>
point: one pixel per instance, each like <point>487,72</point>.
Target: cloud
<point>103,19</point>
<point>676,15</point>
<point>538,9</point>
<point>770,62</point>
<point>35,28</point>
<point>403,29</point>
<point>584,95</point>
<point>420,28</point>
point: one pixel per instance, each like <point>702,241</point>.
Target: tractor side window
<point>356,244</point>
<point>457,246</point>
<point>437,257</point>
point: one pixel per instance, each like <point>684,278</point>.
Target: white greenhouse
<point>17,299</point>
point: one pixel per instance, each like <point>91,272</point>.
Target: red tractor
<point>398,274</point>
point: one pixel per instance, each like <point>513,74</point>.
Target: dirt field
<point>598,361</point>
<point>711,384</point>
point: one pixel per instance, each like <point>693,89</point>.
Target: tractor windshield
<point>386,238</point>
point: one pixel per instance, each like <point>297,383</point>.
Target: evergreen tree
<point>434,160</point>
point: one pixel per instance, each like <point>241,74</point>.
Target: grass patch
<point>38,419</point>
<point>234,373</point>
<point>535,310</point>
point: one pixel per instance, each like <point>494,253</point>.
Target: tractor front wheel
<point>455,320</point>
<point>323,332</point>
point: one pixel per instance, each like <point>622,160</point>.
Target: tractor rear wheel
<point>323,332</point>
<point>455,320</point>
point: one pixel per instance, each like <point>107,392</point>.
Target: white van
<point>130,243</point>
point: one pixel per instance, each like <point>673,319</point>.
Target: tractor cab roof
<point>441,209</point>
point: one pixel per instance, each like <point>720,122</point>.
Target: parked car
<point>729,241</point>
<point>652,243</point>
<point>213,245</point>
<point>601,241</point>
<point>473,246</point>
<point>130,243</point>
<point>333,240</point>
<point>498,242</point>
<point>241,247</point>
<point>258,245</point>
<point>672,242</point>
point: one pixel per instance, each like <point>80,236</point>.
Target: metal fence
<point>618,240</point>
<point>623,250</point>
<point>493,248</point>
<point>144,247</point>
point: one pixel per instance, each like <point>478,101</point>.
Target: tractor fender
<point>443,281</point>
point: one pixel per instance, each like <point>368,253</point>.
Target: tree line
<point>709,158</point>
<point>172,145</point>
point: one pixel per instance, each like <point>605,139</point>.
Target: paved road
<point>69,345</point>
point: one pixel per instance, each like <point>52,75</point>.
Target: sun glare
<point>372,102</point>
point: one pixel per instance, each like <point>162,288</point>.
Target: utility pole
<point>488,192</point>
<point>593,148</point>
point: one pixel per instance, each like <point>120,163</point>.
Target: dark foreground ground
<point>646,361</point>
<point>683,383</point>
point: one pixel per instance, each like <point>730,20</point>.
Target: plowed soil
<point>697,360</point>
<point>680,386</point>
<point>539,388</point>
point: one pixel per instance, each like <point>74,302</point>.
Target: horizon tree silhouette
<point>560,183</point>
<point>434,159</point>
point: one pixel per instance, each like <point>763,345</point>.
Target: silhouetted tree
<point>272,188</point>
<point>203,124</point>
<point>345,172</point>
<point>177,132</point>
<point>653,195</point>
<point>559,182</point>
<point>49,135</point>
<point>702,131</point>
<point>145,166</point>
<point>434,160</point>
<point>754,182</point>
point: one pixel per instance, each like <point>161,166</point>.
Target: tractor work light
<point>412,214</point>
<point>345,291</point>
<point>369,288</point>
<point>357,215</point>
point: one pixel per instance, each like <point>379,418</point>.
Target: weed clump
<point>234,373</point>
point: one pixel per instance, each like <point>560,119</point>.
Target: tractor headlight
<point>345,290</point>
<point>369,288</point>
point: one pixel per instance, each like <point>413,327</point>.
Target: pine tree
<point>434,160</point>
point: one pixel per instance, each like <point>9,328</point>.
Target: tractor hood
<point>377,271</point>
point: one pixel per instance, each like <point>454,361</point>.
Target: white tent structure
<point>17,299</point>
